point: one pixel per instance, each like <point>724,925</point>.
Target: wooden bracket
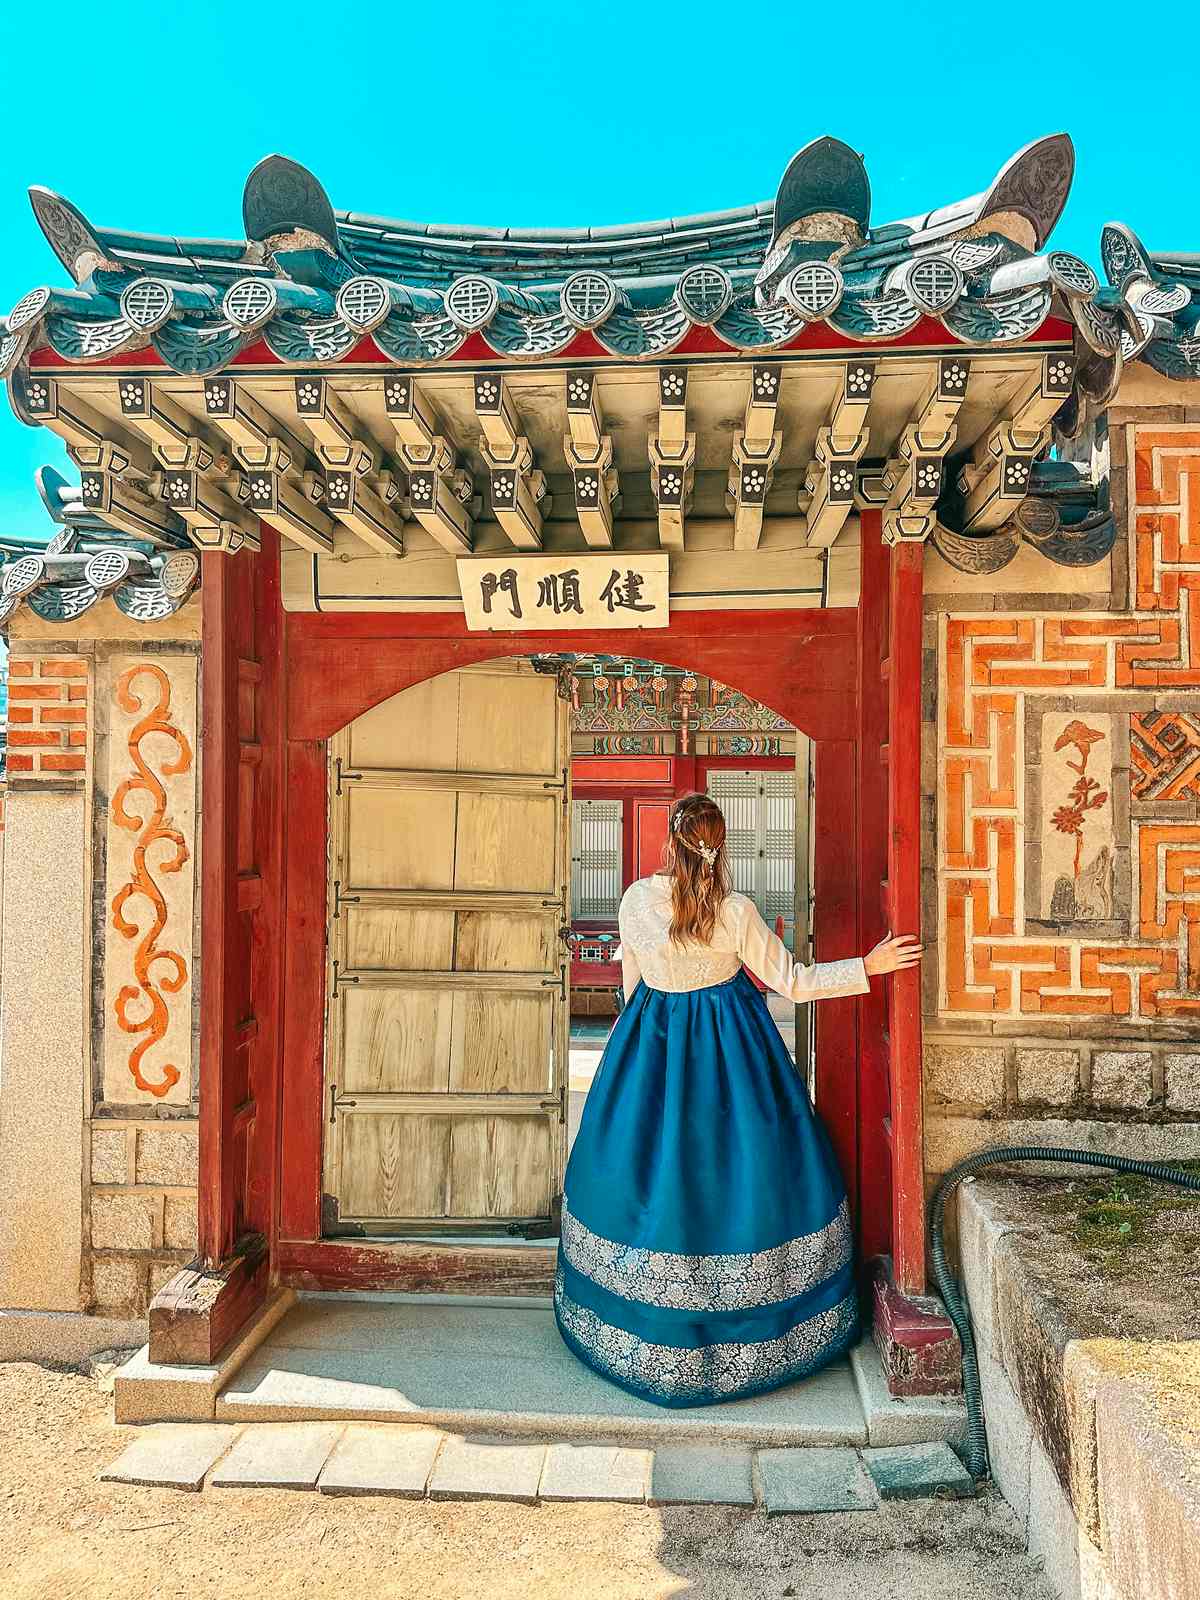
<point>672,453</point>
<point>915,477</point>
<point>440,492</point>
<point>519,497</point>
<point>995,479</point>
<point>749,479</point>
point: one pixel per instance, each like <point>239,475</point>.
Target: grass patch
<point>1116,1213</point>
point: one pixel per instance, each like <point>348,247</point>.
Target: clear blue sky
<point>150,117</point>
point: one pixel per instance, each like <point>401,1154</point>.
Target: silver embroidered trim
<point>711,1282</point>
<point>713,1371</point>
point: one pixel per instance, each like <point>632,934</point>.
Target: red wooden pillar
<point>199,1310</point>
<point>875,1221</point>
<point>904,894</point>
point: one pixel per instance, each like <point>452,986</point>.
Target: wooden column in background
<point>904,894</point>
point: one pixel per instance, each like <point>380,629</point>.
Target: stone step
<point>415,1462</point>
<point>500,1370</point>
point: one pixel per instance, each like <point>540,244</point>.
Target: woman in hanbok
<point>705,1252</point>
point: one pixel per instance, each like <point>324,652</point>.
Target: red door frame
<point>810,666</point>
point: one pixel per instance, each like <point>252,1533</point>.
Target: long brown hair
<point>699,871</point>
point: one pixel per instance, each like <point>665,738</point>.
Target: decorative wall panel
<point>150,879</point>
<point>1098,716</point>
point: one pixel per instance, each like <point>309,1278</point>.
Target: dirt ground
<point>65,1535</point>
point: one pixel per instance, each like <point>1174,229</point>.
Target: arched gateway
<point>721,444</point>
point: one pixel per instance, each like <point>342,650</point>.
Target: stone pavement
<point>416,1462</point>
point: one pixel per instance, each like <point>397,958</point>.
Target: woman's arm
<point>769,958</point>
<point>631,971</point>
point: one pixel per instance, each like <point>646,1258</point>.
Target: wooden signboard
<point>515,593</point>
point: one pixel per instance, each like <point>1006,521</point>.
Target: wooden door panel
<point>449,869</point>
<point>503,726</point>
<point>500,1044</point>
<point>401,837</point>
<point>500,1167</point>
<point>395,1040</point>
<point>417,730</point>
<point>394,1165</point>
<point>507,841</point>
<point>505,941</point>
<point>399,938</point>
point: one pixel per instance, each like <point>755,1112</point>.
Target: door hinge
<point>336,1105</point>
<point>342,775</point>
<point>557,1103</point>
<point>338,978</point>
<point>559,983</point>
<point>340,899</point>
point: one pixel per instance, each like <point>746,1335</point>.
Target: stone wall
<point>98,1084</point>
<point>1062,765</point>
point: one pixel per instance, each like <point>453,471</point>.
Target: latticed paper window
<point>760,834</point>
<point>595,858</point>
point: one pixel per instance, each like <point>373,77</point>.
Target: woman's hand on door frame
<point>893,954</point>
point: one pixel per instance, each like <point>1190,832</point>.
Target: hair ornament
<point>706,851</point>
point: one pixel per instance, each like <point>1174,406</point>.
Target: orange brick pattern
<point>990,665</point>
<point>47,717</point>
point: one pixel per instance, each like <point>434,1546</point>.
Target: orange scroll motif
<point>149,822</point>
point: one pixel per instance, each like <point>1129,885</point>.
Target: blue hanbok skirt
<point>705,1251</point>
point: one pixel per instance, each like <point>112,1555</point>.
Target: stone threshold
<point>413,1462</point>
<point>1079,1429</point>
<point>498,1369</point>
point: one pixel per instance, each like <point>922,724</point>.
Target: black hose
<point>951,1291</point>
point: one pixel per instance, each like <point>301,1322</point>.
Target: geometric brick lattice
<point>1164,755</point>
<point>990,667</point>
<point>47,717</point>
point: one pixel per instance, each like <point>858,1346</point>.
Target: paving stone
<point>717,1475</point>
<point>596,1472</point>
<point>173,1455</point>
<point>487,1469</point>
<point>278,1455</point>
<point>814,1478</point>
<point>912,1471</point>
<point>381,1458</point>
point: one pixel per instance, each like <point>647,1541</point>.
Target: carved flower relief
<point>1086,893</point>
